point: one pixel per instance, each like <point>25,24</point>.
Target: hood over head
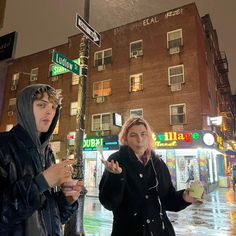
<point>25,115</point>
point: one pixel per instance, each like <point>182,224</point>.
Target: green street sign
<point>58,70</point>
<point>67,63</point>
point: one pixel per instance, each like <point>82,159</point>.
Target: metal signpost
<point>67,63</point>
<point>74,226</point>
<point>88,31</point>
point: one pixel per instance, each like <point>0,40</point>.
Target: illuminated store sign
<point>173,139</point>
<point>220,142</point>
<point>92,143</point>
<point>165,144</point>
<point>174,136</point>
<point>208,139</point>
<point>188,139</point>
<point>108,143</point>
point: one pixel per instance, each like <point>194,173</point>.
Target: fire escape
<point>226,104</point>
<point>226,107</point>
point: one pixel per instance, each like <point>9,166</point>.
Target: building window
<point>9,127</point>
<point>73,108</point>
<point>11,106</point>
<point>136,82</point>
<point>136,112</point>
<point>71,138</point>
<point>59,93</point>
<point>75,79</point>
<point>101,122</point>
<point>56,130</point>
<point>177,114</point>
<point>103,57</point>
<point>174,41</point>
<point>34,74</point>
<point>56,147</point>
<point>102,88</point>
<point>15,81</point>
<point>176,74</point>
<point>136,48</point>
<point>55,78</point>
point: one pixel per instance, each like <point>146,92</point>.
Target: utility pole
<point>75,227</point>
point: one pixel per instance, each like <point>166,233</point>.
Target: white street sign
<point>91,33</point>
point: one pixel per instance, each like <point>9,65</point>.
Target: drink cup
<point>196,189</point>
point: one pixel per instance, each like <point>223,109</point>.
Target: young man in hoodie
<point>30,201</point>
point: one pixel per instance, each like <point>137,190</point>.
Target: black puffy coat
<point>25,204</point>
<point>135,199</point>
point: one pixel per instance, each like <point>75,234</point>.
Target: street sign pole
<point>75,226</point>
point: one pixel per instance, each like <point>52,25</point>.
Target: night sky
<point>47,23</point>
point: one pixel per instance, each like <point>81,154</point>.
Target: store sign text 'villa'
<point>174,136</point>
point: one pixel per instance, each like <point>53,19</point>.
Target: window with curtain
<point>75,79</point>
<point>177,114</point>
<point>102,88</point>
<point>136,82</point>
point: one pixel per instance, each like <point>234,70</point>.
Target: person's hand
<point>59,173</point>
<point>72,189</point>
<point>190,199</point>
<point>112,166</point>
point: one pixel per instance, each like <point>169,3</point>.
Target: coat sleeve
<point>18,200</point>
<point>172,200</point>
<point>66,209</point>
<point>111,189</point>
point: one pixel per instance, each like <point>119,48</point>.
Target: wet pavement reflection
<point>215,217</point>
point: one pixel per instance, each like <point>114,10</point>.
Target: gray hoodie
<point>25,116</point>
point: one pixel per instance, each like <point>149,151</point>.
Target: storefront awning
<point>230,153</point>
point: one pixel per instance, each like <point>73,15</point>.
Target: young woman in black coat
<point>136,186</point>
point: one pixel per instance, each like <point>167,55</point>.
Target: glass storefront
<point>188,155</point>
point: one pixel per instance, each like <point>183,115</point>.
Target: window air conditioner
<point>100,99</point>
<point>175,87</point>
<point>54,78</point>
<point>33,78</point>
<point>174,50</point>
<point>10,113</point>
<point>177,128</point>
<point>13,87</point>
<point>101,67</point>
<point>134,54</point>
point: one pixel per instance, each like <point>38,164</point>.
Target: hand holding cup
<point>195,192</point>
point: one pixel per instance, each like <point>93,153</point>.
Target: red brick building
<point>167,68</point>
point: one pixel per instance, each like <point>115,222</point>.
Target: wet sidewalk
<point>215,217</point>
